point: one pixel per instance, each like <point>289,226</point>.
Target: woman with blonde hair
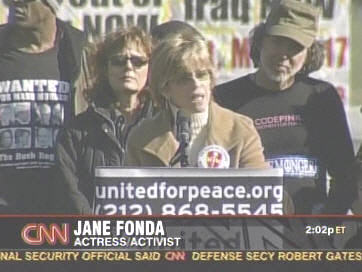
<point>181,82</point>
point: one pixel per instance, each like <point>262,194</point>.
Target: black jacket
<point>91,139</point>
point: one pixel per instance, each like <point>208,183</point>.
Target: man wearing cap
<point>40,63</point>
<point>301,120</point>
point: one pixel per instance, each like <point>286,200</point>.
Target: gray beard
<point>282,77</point>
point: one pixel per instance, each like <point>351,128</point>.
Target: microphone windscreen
<point>183,127</point>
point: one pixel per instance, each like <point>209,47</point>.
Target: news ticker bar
<point>181,256</point>
<point>180,233</point>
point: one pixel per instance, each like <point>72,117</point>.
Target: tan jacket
<point>153,142</point>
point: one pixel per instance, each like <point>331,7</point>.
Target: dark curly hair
<point>100,90</point>
<point>315,53</point>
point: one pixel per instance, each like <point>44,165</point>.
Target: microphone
<point>183,136</point>
<point>182,128</point>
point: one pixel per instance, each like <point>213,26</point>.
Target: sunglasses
<point>121,61</point>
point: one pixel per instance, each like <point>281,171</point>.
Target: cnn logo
<point>37,234</point>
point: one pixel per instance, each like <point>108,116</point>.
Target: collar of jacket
<point>220,131</point>
<point>103,117</point>
<point>102,112</point>
<point>105,111</point>
<point>104,99</point>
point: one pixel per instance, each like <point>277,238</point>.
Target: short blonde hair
<point>173,58</point>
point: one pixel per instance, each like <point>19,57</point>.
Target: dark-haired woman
<point>301,120</point>
<point>117,103</point>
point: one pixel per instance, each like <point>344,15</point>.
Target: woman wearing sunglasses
<point>117,102</point>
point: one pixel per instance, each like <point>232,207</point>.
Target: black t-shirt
<point>303,130</point>
<point>34,104</point>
